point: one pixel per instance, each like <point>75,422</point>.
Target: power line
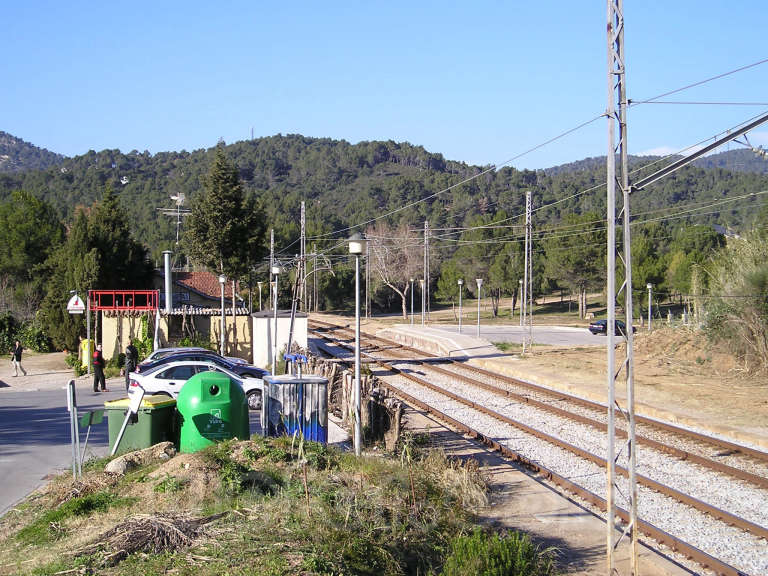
<point>689,86</point>
<point>693,103</point>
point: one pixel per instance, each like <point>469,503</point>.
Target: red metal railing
<point>123,299</point>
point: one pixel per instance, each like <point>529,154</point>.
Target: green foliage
<point>50,526</point>
<point>225,230</point>
<point>9,326</point>
<point>488,554</point>
<point>33,337</point>
<point>169,485</point>
<point>196,341</point>
<point>737,310</point>
<point>30,230</point>
<point>73,361</point>
<point>344,184</point>
<point>314,510</point>
<point>99,254</point>
<point>145,341</point>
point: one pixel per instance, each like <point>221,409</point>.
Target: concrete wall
<point>116,331</point>
<point>263,335</point>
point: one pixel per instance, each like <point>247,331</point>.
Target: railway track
<point>706,494</point>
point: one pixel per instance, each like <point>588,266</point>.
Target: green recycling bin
<point>211,408</point>
<point>155,422</point>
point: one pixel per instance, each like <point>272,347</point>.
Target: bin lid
<point>150,402</point>
<point>294,379</point>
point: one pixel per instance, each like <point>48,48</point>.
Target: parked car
<point>167,379</point>
<point>242,370</point>
<point>599,327</point>
<point>163,352</point>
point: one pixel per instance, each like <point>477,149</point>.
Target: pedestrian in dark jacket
<point>98,371</point>
<point>16,359</point>
<point>131,360</point>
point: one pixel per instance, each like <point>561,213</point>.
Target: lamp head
<point>479,282</point>
<point>461,282</point>
<point>276,270</point>
<point>222,278</point>
<point>356,244</point>
<point>649,285</point>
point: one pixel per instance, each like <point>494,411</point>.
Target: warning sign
<point>76,305</point>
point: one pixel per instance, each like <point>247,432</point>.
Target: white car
<point>167,379</point>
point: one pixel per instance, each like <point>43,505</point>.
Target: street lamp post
<point>222,280</point>
<point>650,287</point>
<point>411,300</point>
<point>421,282</point>
<point>275,272</point>
<point>522,303</point>
<point>461,286</point>
<point>479,288</point>
<point>357,247</point>
<point>259,283</point>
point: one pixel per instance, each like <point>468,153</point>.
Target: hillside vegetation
<point>346,184</point>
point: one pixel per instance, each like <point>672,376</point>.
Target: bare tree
<point>396,257</point>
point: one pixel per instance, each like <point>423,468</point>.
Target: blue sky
<point>480,82</point>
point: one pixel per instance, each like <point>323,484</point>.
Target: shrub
<point>485,554</point>
<point>9,326</point>
<point>33,337</point>
<point>73,361</point>
<point>196,341</point>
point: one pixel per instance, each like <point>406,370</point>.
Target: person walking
<point>16,359</point>
<point>98,371</point>
<point>131,360</point>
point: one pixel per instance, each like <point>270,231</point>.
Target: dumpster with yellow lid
<point>154,423</point>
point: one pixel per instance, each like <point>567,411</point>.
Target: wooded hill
<point>345,184</point>
<point>17,155</point>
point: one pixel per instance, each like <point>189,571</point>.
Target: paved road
<point>549,335</point>
<point>35,437</point>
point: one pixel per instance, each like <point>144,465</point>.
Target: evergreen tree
<point>99,254</point>
<point>225,231</point>
<point>30,231</point>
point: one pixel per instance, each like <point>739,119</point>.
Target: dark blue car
<point>243,370</point>
<point>599,327</point>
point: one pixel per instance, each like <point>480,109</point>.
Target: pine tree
<point>225,231</point>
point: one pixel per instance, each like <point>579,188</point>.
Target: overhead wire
<point>493,167</point>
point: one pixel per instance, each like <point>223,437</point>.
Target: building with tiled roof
<point>198,289</point>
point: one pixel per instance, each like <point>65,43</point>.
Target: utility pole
<point>271,260</point>
<point>526,310</point>
<point>425,289</point>
<point>367,279</point>
<point>617,94</point>
<point>314,275</point>
<point>529,258</point>
<point>301,278</point>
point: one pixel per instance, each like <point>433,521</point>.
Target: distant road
<point>549,335</point>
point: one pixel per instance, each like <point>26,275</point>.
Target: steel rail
<point>713,511</point>
<point>664,538</point>
<point>670,428</point>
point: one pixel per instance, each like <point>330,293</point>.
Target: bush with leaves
<point>489,554</point>
<point>737,312</point>
<point>33,336</point>
<point>9,326</point>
